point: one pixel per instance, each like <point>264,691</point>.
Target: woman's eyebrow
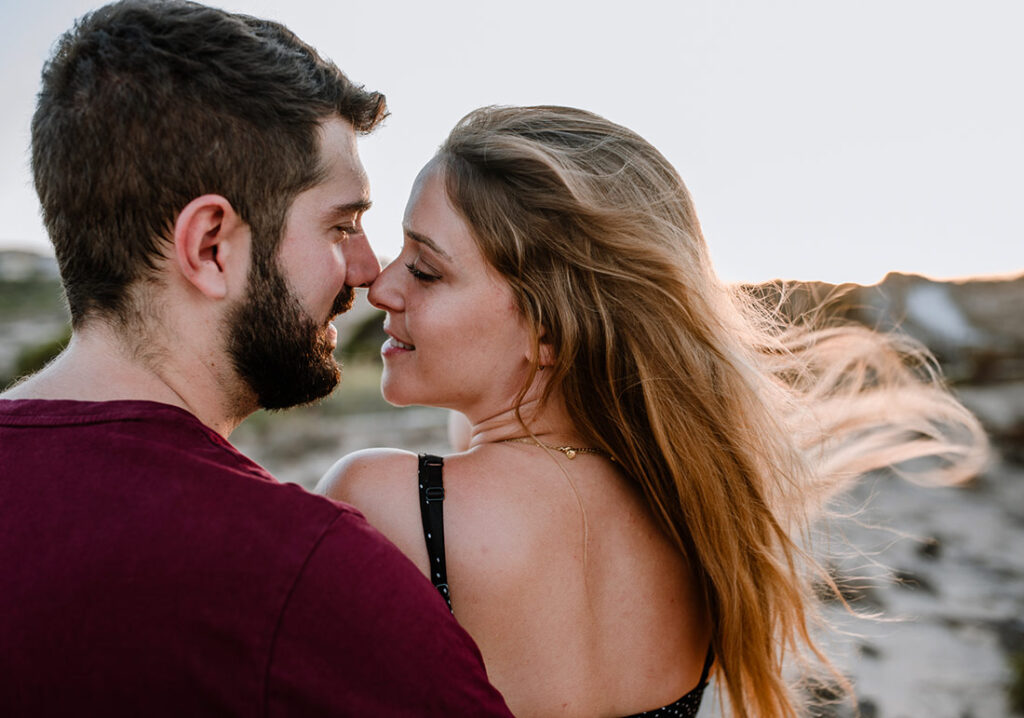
<point>423,239</point>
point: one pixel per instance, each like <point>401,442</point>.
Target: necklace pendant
<point>570,452</point>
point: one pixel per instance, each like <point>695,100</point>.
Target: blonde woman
<point>647,446</point>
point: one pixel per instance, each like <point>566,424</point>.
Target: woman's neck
<point>548,422</point>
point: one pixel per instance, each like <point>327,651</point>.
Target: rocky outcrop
<point>975,327</point>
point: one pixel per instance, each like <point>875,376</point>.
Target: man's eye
<point>420,274</point>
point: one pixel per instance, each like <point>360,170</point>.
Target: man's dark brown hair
<point>147,105</point>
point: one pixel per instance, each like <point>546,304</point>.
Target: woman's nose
<point>384,291</point>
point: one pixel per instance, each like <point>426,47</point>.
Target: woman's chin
<point>392,395</point>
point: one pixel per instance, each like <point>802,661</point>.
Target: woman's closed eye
<point>419,274</point>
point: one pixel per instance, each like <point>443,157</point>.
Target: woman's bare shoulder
<point>370,472</point>
<point>381,483</point>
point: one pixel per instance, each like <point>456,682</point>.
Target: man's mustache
<point>343,302</point>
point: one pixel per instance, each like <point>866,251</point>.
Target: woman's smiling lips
<point>393,347</point>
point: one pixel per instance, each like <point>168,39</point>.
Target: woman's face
<point>457,339</point>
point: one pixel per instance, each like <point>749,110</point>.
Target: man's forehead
<point>342,169</point>
<point>338,141</point>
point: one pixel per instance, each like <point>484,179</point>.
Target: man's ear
<point>211,245</point>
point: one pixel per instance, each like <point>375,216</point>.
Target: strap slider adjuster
<point>435,493</point>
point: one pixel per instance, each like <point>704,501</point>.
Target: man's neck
<point>98,365</point>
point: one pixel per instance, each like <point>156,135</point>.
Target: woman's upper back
<point>579,604</point>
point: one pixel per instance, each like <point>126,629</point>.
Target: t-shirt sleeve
<point>364,633</point>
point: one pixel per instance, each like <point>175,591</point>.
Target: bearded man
<point>200,183</point>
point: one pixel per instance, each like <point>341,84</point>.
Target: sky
<point>822,140</point>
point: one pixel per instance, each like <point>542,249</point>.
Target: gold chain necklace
<point>569,451</point>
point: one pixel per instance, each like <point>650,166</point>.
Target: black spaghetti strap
<point>707,666</point>
<point>432,512</point>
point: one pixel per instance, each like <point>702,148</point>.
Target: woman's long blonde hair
<point>737,425</point>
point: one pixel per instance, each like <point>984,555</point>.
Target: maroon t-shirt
<point>148,568</point>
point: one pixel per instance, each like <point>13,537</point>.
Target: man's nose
<point>362,266</point>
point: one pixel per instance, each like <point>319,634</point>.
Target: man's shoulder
<point>158,470</point>
<point>136,434</point>
<point>360,614</point>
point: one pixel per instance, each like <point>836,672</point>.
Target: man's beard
<point>283,355</point>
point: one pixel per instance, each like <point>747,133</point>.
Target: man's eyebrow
<point>350,208</point>
<point>423,239</point>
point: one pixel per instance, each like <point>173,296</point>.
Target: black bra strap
<point>707,666</point>
<point>432,513</point>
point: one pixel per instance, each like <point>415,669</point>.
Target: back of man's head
<point>146,105</point>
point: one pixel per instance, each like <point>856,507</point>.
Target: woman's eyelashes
<point>420,274</point>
